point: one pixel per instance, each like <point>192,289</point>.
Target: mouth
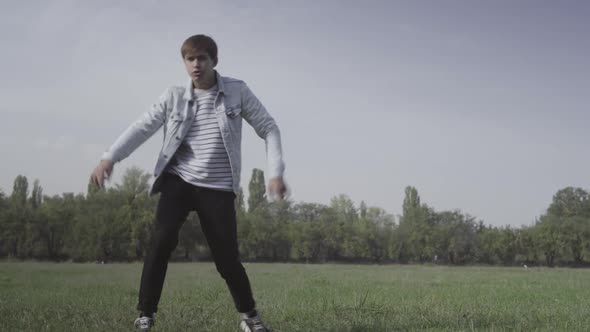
<point>196,73</point>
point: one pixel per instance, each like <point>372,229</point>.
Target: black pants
<point>217,214</point>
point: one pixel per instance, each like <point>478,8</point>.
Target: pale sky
<point>481,105</point>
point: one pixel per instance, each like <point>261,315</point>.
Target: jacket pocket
<point>234,111</point>
<point>175,116</point>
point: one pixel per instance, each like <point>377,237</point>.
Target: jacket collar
<point>189,93</point>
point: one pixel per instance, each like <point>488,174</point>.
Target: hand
<point>101,172</point>
<point>277,188</point>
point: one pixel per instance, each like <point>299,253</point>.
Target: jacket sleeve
<point>140,130</point>
<point>257,116</point>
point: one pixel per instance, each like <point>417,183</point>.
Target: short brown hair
<point>200,43</point>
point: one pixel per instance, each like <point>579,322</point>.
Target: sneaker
<point>253,324</point>
<point>143,324</point>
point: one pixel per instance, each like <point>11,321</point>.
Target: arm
<point>257,116</point>
<point>135,135</point>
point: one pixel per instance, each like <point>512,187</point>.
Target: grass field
<point>292,297</point>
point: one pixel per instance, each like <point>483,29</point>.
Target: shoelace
<point>258,326</point>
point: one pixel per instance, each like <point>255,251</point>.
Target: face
<point>199,65</point>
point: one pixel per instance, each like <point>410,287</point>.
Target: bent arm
<point>265,126</point>
<point>139,131</point>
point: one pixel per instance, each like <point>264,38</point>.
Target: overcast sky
<point>481,105</point>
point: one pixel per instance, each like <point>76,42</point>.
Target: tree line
<point>116,224</point>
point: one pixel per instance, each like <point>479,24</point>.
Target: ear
<point>215,61</point>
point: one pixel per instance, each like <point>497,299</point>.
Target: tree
<point>568,202</point>
<point>344,208</point>
<point>133,221</point>
<point>15,231</point>
<point>20,192</point>
<point>411,202</point>
<point>3,223</point>
<point>526,246</point>
<point>56,218</point>
<point>548,238</point>
<point>257,191</point>
<point>277,230</point>
<point>135,182</point>
<point>240,206</point>
<point>363,209</point>
<point>375,229</point>
<point>30,245</point>
<point>416,228</point>
<point>575,232</point>
<point>306,232</point>
<point>36,195</point>
<point>562,232</point>
<point>454,237</point>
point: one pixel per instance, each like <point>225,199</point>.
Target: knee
<point>165,242</point>
<point>230,269</point>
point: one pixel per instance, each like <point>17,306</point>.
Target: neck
<point>206,82</point>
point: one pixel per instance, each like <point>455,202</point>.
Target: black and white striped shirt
<point>202,159</point>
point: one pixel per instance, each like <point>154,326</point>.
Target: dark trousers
<point>217,214</point>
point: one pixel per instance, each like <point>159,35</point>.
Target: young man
<point>198,169</point>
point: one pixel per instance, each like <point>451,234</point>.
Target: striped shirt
<point>202,159</point>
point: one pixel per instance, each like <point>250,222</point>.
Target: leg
<point>173,208</point>
<point>217,214</point>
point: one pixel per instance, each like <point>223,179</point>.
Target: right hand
<point>101,172</point>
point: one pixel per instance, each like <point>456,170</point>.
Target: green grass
<point>292,297</point>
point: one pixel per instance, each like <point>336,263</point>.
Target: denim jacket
<point>175,112</point>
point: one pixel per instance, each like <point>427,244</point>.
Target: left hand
<point>277,188</point>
